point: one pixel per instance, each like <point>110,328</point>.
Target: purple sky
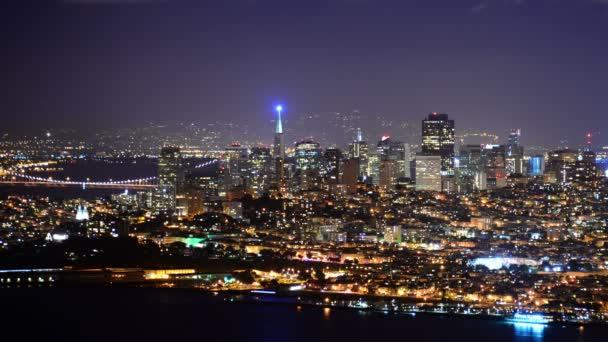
<point>541,65</point>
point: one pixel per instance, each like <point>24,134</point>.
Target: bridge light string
<point>206,164</point>
<point>120,182</point>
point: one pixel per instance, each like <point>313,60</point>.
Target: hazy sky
<point>541,65</point>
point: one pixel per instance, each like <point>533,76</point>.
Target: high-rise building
<point>170,178</point>
<point>428,172</point>
<point>537,165</point>
<point>308,155</point>
<point>514,137</point>
<point>279,139</point>
<point>470,167</point>
<point>237,163</point>
<point>407,161</point>
<point>585,169</point>
<point>396,151</point>
<point>350,174</point>
<point>260,167</point>
<point>514,153</point>
<point>495,166</point>
<point>373,167</point>
<point>332,162</point>
<point>561,165</point>
<point>438,140</point>
<point>359,149</point>
<point>279,151</point>
<point>387,174</point>
<point>308,164</point>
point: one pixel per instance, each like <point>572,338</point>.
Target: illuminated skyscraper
<point>438,140</point>
<point>279,139</point>
<point>585,169</point>
<point>561,165</point>
<point>514,153</point>
<point>170,177</point>
<point>537,165</point>
<point>373,166</point>
<point>279,151</point>
<point>470,168</point>
<point>495,165</point>
<point>237,163</point>
<point>428,172</point>
<point>308,164</point>
<point>387,174</point>
<point>332,159</point>
<point>359,149</point>
<point>514,137</point>
<point>308,156</point>
<point>398,153</point>
<point>260,169</point>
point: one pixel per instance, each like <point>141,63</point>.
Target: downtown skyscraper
<point>279,150</point>
<point>438,140</point>
<point>170,179</point>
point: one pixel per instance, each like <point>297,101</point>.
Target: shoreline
<point>311,299</point>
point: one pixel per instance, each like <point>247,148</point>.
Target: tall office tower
<point>514,153</point>
<point>237,163</point>
<point>585,169</point>
<point>514,137</point>
<point>260,168</point>
<point>560,165</point>
<point>308,155</point>
<point>373,167</point>
<point>438,140</point>
<point>308,163</point>
<point>537,165</point>
<point>360,149</point>
<point>428,172</point>
<point>332,162</point>
<point>207,181</point>
<point>495,166</point>
<point>407,160</point>
<point>170,178</point>
<point>350,174</point>
<point>470,167</point>
<point>387,174</point>
<point>396,151</point>
<point>279,139</point>
<point>279,151</point>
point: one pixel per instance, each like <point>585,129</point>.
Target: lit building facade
<point>438,139</point>
<point>170,178</point>
<point>537,165</point>
<point>428,172</point>
<point>360,149</point>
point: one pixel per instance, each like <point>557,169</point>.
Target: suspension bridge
<point>19,178</point>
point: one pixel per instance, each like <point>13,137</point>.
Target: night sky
<point>541,65</point>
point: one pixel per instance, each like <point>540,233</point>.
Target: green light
<point>193,242</point>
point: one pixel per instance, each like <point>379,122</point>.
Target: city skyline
<point>106,64</point>
<point>304,170</point>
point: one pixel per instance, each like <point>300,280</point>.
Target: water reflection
<point>533,330</point>
<point>326,313</point>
